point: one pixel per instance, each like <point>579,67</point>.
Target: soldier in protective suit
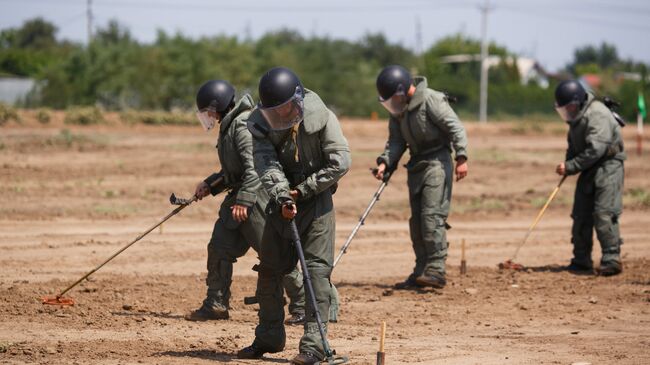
<point>300,153</point>
<point>422,121</point>
<point>241,216</point>
<point>596,152</point>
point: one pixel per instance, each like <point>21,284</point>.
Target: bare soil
<point>73,195</point>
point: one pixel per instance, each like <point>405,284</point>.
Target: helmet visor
<point>208,118</point>
<point>568,112</point>
<point>285,115</point>
<point>397,103</point>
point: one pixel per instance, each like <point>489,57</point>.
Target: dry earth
<point>73,195</point>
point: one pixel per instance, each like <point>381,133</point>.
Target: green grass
<point>158,118</point>
<point>637,196</point>
<point>84,116</point>
<point>67,139</point>
<point>478,204</point>
<point>44,116</point>
<point>527,127</point>
<point>491,155</point>
<point>8,113</point>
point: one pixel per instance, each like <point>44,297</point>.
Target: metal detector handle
<point>539,216</point>
<point>295,237</point>
<point>362,221</point>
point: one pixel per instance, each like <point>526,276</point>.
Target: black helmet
<point>277,86</point>
<point>281,98</point>
<point>392,79</point>
<point>569,98</point>
<point>569,91</point>
<point>214,98</point>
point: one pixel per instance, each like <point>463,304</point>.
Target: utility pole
<point>485,9</point>
<point>89,20</point>
<point>418,36</point>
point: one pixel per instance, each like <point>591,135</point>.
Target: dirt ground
<point>75,194</point>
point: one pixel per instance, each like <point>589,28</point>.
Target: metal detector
<point>330,356</point>
<point>362,220</point>
<point>60,300</point>
<point>510,264</point>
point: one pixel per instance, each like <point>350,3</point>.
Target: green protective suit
<point>429,128</point>
<point>230,239</point>
<point>596,152</point>
<point>310,158</point>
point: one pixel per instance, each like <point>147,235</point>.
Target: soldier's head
<point>213,101</point>
<point>395,87</point>
<point>570,97</point>
<point>281,98</point>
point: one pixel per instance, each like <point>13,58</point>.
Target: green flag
<point>641,104</point>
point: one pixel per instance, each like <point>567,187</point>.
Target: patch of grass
<point>158,118</point>
<point>84,116</point>
<point>478,204</point>
<point>637,196</point>
<point>67,139</point>
<point>113,210</point>
<point>491,155</point>
<point>109,194</point>
<point>4,346</point>
<point>8,113</point>
<point>527,127</point>
<point>541,200</point>
<point>43,116</point>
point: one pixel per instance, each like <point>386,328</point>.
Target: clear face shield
<point>287,114</point>
<point>568,112</point>
<point>208,117</point>
<point>397,103</point>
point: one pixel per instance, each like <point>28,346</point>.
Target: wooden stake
<point>463,263</point>
<point>381,355</point>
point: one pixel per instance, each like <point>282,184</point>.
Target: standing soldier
<point>596,152</point>
<point>300,153</point>
<point>422,121</point>
<point>241,216</point>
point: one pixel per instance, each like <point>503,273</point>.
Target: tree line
<point>117,72</point>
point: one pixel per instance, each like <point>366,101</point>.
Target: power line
<point>599,22</point>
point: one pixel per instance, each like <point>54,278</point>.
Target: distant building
<point>529,69</point>
<point>14,89</point>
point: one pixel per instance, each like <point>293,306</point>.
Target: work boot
<point>305,358</point>
<point>251,352</point>
<point>578,268</point>
<point>207,313</point>
<point>407,284</point>
<point>295,319</point>
<point>434,280</point>
<point>610,268</point>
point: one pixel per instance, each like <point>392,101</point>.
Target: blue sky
<point>547,30</point>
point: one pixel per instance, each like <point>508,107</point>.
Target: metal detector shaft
<point>539,216</point>
<point>310,289</point>
<point>173,213</point>
<point>362,220</point>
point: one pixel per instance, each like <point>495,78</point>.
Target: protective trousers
<point>315,221</point>
<point>430,183</point>
<point>598,204</point>
<point>229,242</point>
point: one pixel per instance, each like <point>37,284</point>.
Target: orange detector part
<point>58,301</point>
